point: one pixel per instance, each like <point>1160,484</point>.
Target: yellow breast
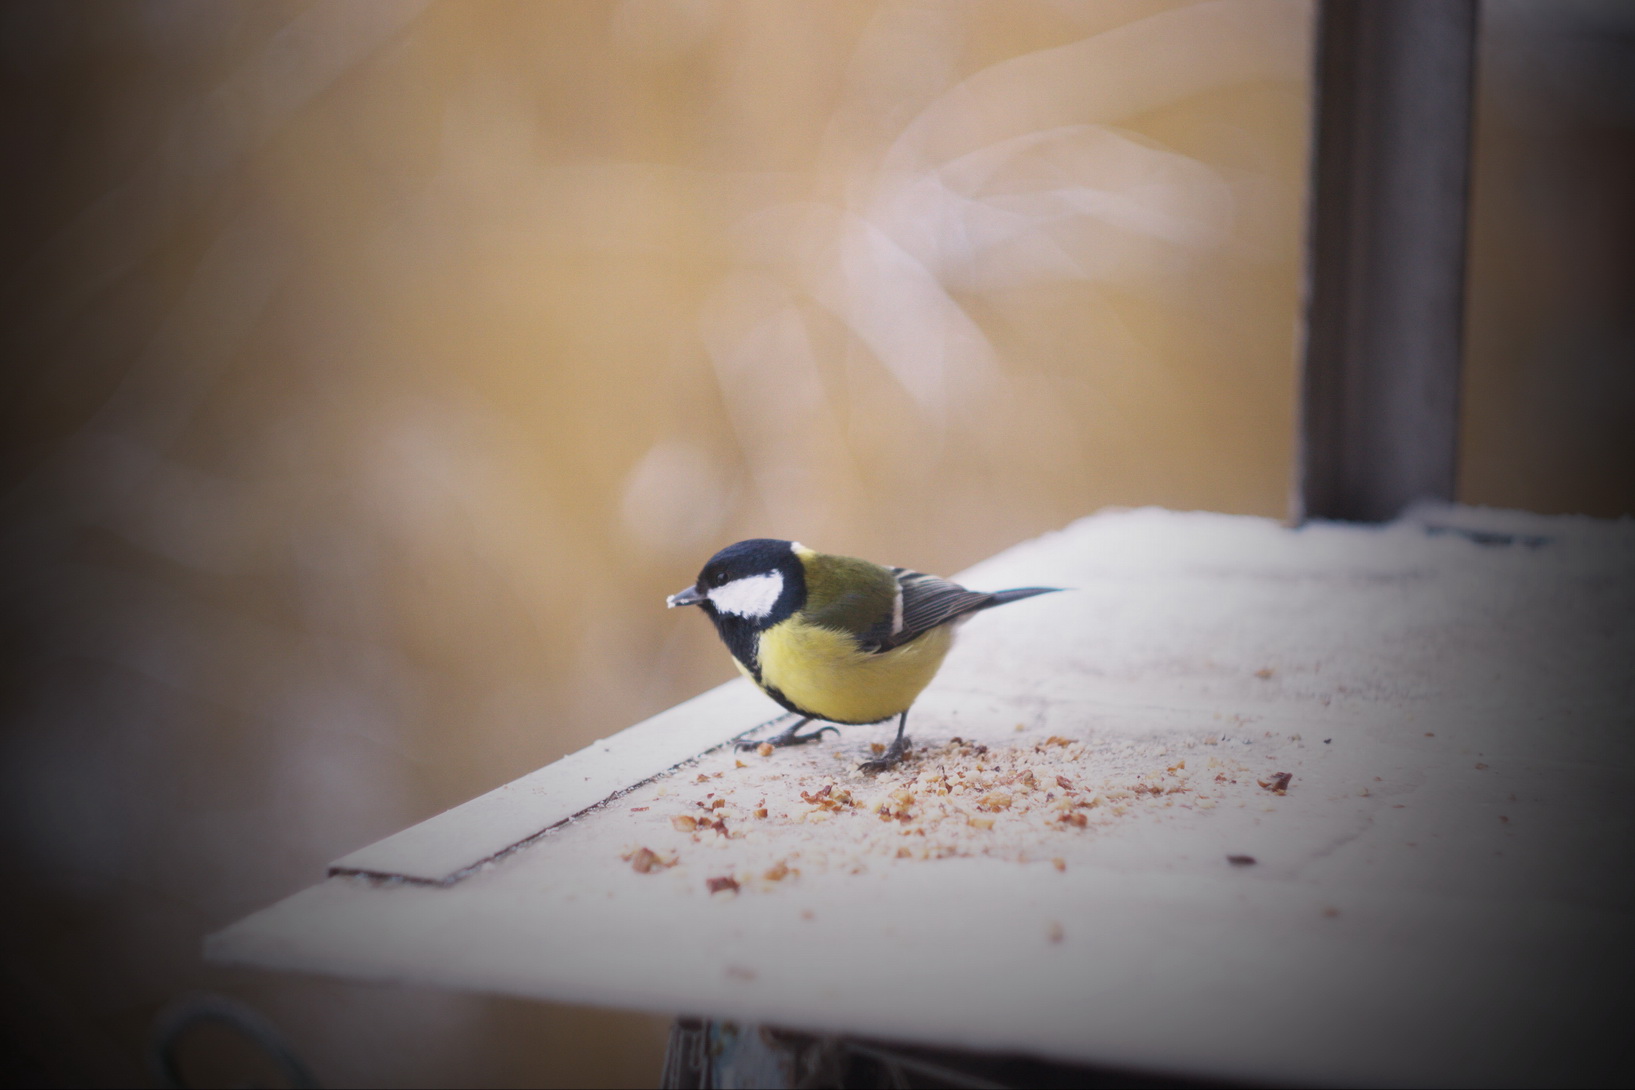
<point>823,672</point>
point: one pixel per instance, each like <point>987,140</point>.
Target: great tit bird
<point>833,637</point>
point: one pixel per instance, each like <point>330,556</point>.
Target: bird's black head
<point>746,587</point>
<point>760,579</point>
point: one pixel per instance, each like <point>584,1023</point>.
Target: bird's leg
<point>894,753</point>
<point>790,737</point>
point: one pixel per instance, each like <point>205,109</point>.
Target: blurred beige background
<point>374,370</point>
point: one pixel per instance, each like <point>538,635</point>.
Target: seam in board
<point>453,878</point>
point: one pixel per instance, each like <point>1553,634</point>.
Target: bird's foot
<point>791,737</point>
<point>891,758</point>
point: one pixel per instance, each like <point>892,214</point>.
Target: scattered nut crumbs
<point>950,799</point>
<point>766,749</point>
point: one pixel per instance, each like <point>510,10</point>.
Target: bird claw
<point>790,738</point>
<point>888,760</point>
<point>802,739</point>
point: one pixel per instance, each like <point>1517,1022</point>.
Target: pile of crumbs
<point>736,822</point>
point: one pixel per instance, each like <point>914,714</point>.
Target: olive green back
<point>846,593</point>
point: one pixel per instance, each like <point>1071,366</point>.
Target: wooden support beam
<point>1385,269</point>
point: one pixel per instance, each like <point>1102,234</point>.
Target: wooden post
<point>1385,268</point>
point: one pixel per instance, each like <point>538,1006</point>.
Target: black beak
<point>688,597</point>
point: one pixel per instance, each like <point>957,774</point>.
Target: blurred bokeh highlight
<point>374,370</point>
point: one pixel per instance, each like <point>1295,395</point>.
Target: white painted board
<point>1442,894</point>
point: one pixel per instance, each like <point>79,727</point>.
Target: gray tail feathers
<point>1001,597</point>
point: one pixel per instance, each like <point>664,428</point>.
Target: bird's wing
<point>927,602</point>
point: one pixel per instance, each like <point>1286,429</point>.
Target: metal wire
<point>174,1022</point>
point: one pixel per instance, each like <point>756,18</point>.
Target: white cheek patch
<point>751,596</point>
